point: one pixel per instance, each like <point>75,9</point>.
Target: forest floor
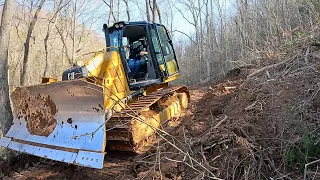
<point>258,125</point>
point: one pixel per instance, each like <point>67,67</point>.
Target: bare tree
<point>118,10</point>
<point>147,11</point>
<point>168,17</point>
<point>5,108</point>
<point>74,14</point>
<point>158,11</point>
<point>27,43</point>
<point>65,46</point>
<point>51,24</point>
<point>153,10</point>
<point>111,11</point>
<point>127,9</point>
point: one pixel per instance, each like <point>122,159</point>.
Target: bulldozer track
<point>118,130</point>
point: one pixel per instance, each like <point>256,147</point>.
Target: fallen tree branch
<point>271,66</point>
<point>208,131</point>
<point>220,122</point>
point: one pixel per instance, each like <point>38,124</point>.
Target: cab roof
<point>135,23</point>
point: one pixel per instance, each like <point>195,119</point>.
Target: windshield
<point>114,39</point>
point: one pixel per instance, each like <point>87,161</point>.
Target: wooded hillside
<point>244,34</point>
<point>44,42</point>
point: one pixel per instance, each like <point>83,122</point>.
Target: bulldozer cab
<point>146,52</point>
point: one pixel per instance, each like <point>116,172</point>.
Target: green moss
<point>304,151</point>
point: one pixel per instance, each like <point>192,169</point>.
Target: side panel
<point>108,66</point>
<point>116,88</point>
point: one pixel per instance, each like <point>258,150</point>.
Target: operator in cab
<point>139,56</point>
<point>144,47</point>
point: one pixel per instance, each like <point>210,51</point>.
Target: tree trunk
<point>118,12</point>
<point>27,44</point>
<point>65,48</point>
<point>201,50</point>
<point>147,11</point>
<point>127,9</point>
<point>111,13</point>
<point>158,11</point>
<point>5,108</point>
<point>50,27</point>
<point>154,2</point>
<point>74,15</point>
<point>208,42</point>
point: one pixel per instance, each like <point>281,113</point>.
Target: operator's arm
<point>142,53</point>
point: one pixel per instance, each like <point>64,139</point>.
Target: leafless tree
<point>111,11</point>
<point>5,108</point>
<point>51,25</point>
<point>158,11</point>
<point>27,43</point>
<point>227,35</point>
<point>127,9</point>
<point>147,10</point>
<point>153,10</point>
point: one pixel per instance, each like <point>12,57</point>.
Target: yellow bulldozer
<point>118,100</point>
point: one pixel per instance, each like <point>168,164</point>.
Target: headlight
<point>75,73</point>
<point>84,71</point>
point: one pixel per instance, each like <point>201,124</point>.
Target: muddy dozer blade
<point>62,121</point>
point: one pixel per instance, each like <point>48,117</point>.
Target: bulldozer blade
<point>63,121</point>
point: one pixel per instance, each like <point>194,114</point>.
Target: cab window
<point>157,47</point>
<point>165,42</point>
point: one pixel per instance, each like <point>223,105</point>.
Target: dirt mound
<point>277,109</point>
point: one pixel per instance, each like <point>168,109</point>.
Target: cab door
<point>166,57</point>
<point>171,64</point>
